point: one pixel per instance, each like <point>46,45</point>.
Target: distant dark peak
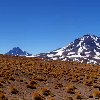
<point>16,51</point>
<point>91,36</point>
<point>86,35</point>
<point>16,48</point>
<point>77,40</point>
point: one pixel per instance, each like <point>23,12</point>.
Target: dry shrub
<point>32,84</point>
<point>13,90</point>
<point>96,86</point>
<point>11,78</point>
<point>2,96</point>
<point>21,80</point>
<point>78,96</point>
<point>37,96</point>
<point>45,92</point>
<point>96,94</point>
<point>1,85</point>
<point>88,82</point>
<point>71,89</point>
<point>90,96</point>
<point>59,85</point>
<point>51,98</point>
<point>69,98</point>
<point>75,80</point>
<point>40,78</point>
<point>2,81</point>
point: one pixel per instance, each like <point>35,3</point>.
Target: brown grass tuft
<point>46,92</point>
<point>71,89</point>
<point>13,90</point>
<point>78,96</point>
<point>96,94</point>
<point>2,96</point>
<point>37,96</point>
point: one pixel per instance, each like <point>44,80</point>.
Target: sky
<point>39,26</point>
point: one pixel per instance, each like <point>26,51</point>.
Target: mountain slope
<point>16,51</point>
<point>85,50</point>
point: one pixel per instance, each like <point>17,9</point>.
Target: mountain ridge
<point>85,50</point>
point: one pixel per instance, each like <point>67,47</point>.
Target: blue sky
<point>45,25</point>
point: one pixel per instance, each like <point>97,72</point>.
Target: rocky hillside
<point>85,50</point>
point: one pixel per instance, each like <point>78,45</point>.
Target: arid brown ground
<point>24,78</point>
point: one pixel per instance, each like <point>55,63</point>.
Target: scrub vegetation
<point>24,78</point>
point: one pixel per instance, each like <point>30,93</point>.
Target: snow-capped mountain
<point>85,50</point>
<point>16,51</point>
